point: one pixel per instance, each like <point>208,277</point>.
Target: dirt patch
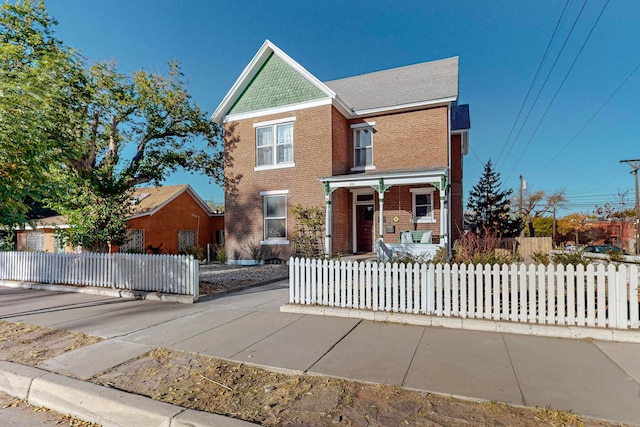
<point>22,413</point>
<point>275,399</point>
<point>217,278</point>
<point>31,345</point>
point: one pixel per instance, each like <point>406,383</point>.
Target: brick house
<point>166,219</point>
<point>380,152</point>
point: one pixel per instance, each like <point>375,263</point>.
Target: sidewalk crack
<point>515,374</point>
<point>333,346</point>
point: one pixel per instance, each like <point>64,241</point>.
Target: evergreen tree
<point>489,206</point>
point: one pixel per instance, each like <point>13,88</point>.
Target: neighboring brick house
<point>382,152</point>
<point>167,219</point>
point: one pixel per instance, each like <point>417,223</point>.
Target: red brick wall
<point>408,140</point>
<point>457,202</point>
<point>323,146</point>
<point>312,150</point>
<point>162,228</point>
<point>398,202</point>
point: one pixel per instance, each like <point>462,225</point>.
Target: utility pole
<point>520,198</point>
<point>635,164</point>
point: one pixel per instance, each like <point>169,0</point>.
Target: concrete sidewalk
<point>591,378</point>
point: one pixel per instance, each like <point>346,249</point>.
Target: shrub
<point>441,256</point>
<point>196,251</point>
<point>570,257</point>
<point>476,248</point>
<point>540,258</point>
<point>221,255</point>
<point>411,259</point>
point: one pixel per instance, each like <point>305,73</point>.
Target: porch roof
<point>391,178</point>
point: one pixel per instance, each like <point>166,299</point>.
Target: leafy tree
<point>530,207</point>
<point>153,118</point>
<point>489,206</point>
<point>94,134</point>
<point>543,226</point>
<point>535,204</point>
<point>573,225</point>
<point>556,201</point>
<point>39,82</point>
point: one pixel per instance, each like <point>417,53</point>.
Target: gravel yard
<point>217,278</point>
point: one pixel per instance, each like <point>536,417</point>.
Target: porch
<point>384,206</point>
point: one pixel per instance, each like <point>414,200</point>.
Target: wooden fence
<point>175,274</point>
<point>595,296</point>
<point>527,247</point>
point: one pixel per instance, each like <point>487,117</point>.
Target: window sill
<point>423,221</point>
<point>362,168</point>
<point>274,242</point>
<point>271,167</point>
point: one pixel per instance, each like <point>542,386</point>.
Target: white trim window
<point>186,240</point>
<point>275,218</point>
<point>422,204</point>
<point>274,145</point>
<point>363,146</point>
<point>35,241</point>
<point>134,241</point>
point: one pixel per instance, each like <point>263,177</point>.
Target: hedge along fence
<point>176,274</point>
<point>595,296</point>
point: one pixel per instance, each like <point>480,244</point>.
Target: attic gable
<point>276,84</point>
<point>272,81</point>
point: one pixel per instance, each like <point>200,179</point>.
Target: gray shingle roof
<point>411,84</point>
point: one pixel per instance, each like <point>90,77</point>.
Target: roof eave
<point>404,107</point>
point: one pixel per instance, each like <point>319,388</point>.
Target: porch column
<point>443,186</point>
<point>328,218</point>
<point>381,188</point>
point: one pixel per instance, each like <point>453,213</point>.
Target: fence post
<point>612,279</point>
<point>621,294</point>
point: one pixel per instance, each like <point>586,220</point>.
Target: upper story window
<point>363,145</point>
<point>274,143</point>
<point>423,204</point>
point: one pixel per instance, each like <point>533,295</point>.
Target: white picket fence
<point>177,274</point>
<point>595,296</point>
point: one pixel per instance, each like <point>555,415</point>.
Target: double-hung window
<point>422,204</point>
<point>274,143</point>
<point>275,216</point>
<point>363,146</point>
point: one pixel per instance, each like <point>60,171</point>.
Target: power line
<point>535,101</point>
<point>535,77</point>
<point>476,156</point>
<point>592,117</point>
<point>560,87</point>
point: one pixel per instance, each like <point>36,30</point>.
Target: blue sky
<point>574,143</point>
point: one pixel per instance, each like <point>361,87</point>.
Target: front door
<point>364,228</point>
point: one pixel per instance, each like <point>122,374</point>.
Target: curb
<point>103,405</point>
<point>110,292</point>
<point>484,325</point>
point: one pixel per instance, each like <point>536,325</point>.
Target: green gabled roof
<point>276,84</point>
